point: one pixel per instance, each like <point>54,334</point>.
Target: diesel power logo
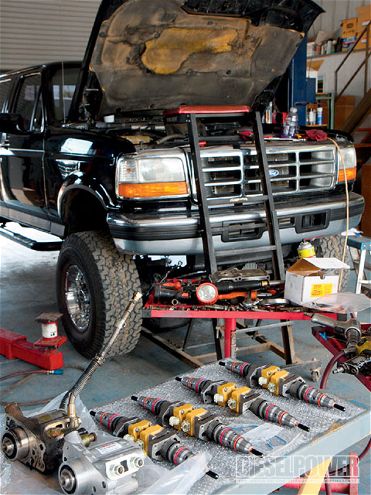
<point>281,469</point>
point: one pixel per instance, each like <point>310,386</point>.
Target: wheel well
<point>82,211</point>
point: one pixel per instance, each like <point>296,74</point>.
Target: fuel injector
<point>280,382</point>
<point>157,442</point>
<point>239,400</point>
<point>196,422</point>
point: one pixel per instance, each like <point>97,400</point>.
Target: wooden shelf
<point>336,53</point>
<point>326,55</point>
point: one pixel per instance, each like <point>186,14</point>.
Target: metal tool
<point>239,400</point>
<point>37,441</point>
<point>157,442</point>
<point>355,366</point>
<point>274,301</point>
<point>280,382</point>
<point>226,285</point>
<point>196,422</point>
<point>100,468</point>
<point>350,330</point>
<point>357,344</point>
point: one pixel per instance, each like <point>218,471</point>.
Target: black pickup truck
<point>86,154</point>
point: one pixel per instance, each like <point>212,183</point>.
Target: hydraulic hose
<point>69,399</point>
<point>328,369</point>
<point>26,375</point>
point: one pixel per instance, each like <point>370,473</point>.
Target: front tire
<point>94,285</point>
<point>332,247</point>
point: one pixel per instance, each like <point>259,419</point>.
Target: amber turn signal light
<point>350,174</point>
<point>153,190</point>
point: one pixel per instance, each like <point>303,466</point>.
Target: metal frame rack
<point>190,116</point>
<point>225,334</point>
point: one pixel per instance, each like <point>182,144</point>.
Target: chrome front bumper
<point>178,234</point>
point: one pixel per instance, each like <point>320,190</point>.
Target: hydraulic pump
<point>239,400</point>
<point>280,382</point>
<point>37,441</point>
<point>105,467</point>
<point>196,422</point>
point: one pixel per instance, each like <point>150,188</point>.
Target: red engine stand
<point>41,353</point>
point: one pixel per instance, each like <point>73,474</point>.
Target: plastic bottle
<point>319,119</point>
<point>311,117</point>
<point>293,129</point>
<point>291,124</point>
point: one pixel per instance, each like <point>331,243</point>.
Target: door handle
<point>5,143</point>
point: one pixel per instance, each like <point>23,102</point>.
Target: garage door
<point>37,31</point>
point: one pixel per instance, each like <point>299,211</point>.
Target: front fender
<point>76,183</point>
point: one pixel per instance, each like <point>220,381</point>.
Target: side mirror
<point>12,123</point>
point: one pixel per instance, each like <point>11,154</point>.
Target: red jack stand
<point>42,353</point>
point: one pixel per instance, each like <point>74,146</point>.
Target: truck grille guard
<point>231,175</point>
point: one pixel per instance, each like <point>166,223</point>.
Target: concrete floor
<point>27,289</point>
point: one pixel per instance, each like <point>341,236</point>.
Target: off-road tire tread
<point>129,284</point>
<point>114,279</point>
<point>332,246</point>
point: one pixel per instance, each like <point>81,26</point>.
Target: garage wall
<point>37,31</point>
<point>335,11</point>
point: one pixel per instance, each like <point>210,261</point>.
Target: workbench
<point>294,452</point>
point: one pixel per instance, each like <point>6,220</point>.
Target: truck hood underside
<point>162,53</point>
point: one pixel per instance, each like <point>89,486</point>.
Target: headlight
<point>146,176</point>
<point>347,164</point>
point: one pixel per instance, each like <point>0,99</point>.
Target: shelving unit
<point>330,98</point>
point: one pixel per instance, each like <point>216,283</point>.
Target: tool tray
<point>247,471</point>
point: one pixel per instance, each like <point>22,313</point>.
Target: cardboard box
<point>364,17</point>
<point>344,106</point>
<point>349,27</point>
<point>361,45</point>
<point>309,278</point>
<point>364,12</point>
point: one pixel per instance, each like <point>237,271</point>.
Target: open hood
<point>158,54</point>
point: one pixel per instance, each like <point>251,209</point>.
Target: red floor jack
<point>44,352</point>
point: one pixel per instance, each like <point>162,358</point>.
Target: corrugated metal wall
<point>36,31</point>
<point>335,11</point>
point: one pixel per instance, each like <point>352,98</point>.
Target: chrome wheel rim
<point>78,299</point>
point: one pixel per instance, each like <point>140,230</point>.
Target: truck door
<point>22,156</point>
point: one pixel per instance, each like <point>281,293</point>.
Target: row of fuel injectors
<point>160,443</point>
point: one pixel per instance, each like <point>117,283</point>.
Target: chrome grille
<point>299,169</point>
